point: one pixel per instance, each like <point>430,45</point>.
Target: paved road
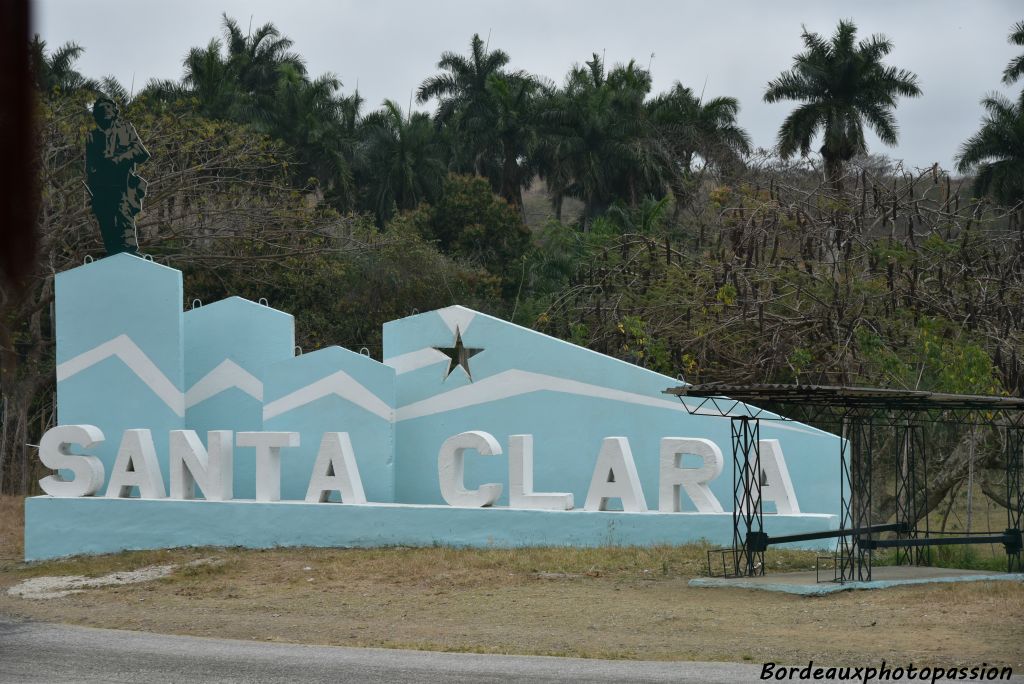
<point>41,652</point>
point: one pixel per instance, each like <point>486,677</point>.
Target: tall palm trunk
<point>833,171</point>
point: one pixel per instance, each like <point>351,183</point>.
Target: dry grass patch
<point>608,602</point>
<point>612,603</point>
<point>12,525</point>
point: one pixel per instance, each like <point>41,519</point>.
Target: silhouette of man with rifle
<point>112,150</point>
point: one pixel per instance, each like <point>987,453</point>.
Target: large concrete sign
<point>204,427</point>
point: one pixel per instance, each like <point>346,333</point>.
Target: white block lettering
<point>191,464</point>
<point>694,481</point>
<point>520,479</point>
<point>268,459</point>
<point>451,469</point>
<point>615,477</point>
<point>55,452</point>
<point>136,466</point>
<point>335,470</point>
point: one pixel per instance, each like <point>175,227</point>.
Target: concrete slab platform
<point>882,577</point>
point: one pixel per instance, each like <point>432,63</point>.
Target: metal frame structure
<point>747,513</point>
<point>862,417</point>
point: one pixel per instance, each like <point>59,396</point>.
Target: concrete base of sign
<point>882,577</point>
<point>56,527</point>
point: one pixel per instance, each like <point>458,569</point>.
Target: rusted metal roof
<point>847,397</point>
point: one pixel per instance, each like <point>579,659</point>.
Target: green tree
<point>309,116</point>
<point>996,152</point>
<point>842,86</point>
<point>1015,69</point>
<point>207,85</point>
<point>403,159</point>
<point>256,62</point>
<point>255,79</point>
<point>518,100</point>
<point>470,222</point>
<point>599,146</point>
<point>691,128</point>
<point>55,73</point>
<point>465,102</point>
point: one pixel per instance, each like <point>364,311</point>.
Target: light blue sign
<point>473,431</point>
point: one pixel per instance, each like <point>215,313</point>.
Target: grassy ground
<point>12,522</point>
<point>613,603</point>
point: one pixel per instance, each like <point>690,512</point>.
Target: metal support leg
<point>853,562</point>
<point>1014,493</point>
<point>747,516</point>
<point>911,444</point>
<point>844,546</point>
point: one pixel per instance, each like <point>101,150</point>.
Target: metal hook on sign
<point>196,303</point>
<point>263,301</point>
<point>88,259</point>
<point>298,350</point>
<point>364,351</point>
<point>148,257</point>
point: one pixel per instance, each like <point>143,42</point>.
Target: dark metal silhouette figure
<point>112,150</point>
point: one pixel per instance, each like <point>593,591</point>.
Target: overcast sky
<point>958,49</point>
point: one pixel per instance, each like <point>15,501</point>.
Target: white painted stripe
<point>132,356</point>
<point>514,383</point>
<point>420,358</point>
<point>457,317</point>
<point>341,384</point>
<point>226,375</point>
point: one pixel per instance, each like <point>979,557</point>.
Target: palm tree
<point>308,116</point>
<point>842,85</point>
<point>695,128</point>
<point>55,73</point>
<point>256,62</point>
<point>349,130</point>
<point>1015,69</point>
<point>597,147</point>
<point>238,77</point>
<point>646,171</point>
<point>996,152</point>
<point>403,160</point>
<point>691,128</point>
<point>209,81</point>
<point>255,79</point>
<point>517,100</point>
<point>465,103</point>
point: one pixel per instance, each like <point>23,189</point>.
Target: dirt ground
<point>609,603</point>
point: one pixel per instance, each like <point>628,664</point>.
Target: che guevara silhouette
<point>112,150</point>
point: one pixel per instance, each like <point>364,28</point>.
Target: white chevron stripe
<point>457,317</point>
<point>341,384</point>
<point>226,375</point>
<point>512,383</point>
<point>132,356</point>
<point>420,358</point>
<point>229,374</point>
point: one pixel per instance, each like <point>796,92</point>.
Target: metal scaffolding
<point>862,417</point>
